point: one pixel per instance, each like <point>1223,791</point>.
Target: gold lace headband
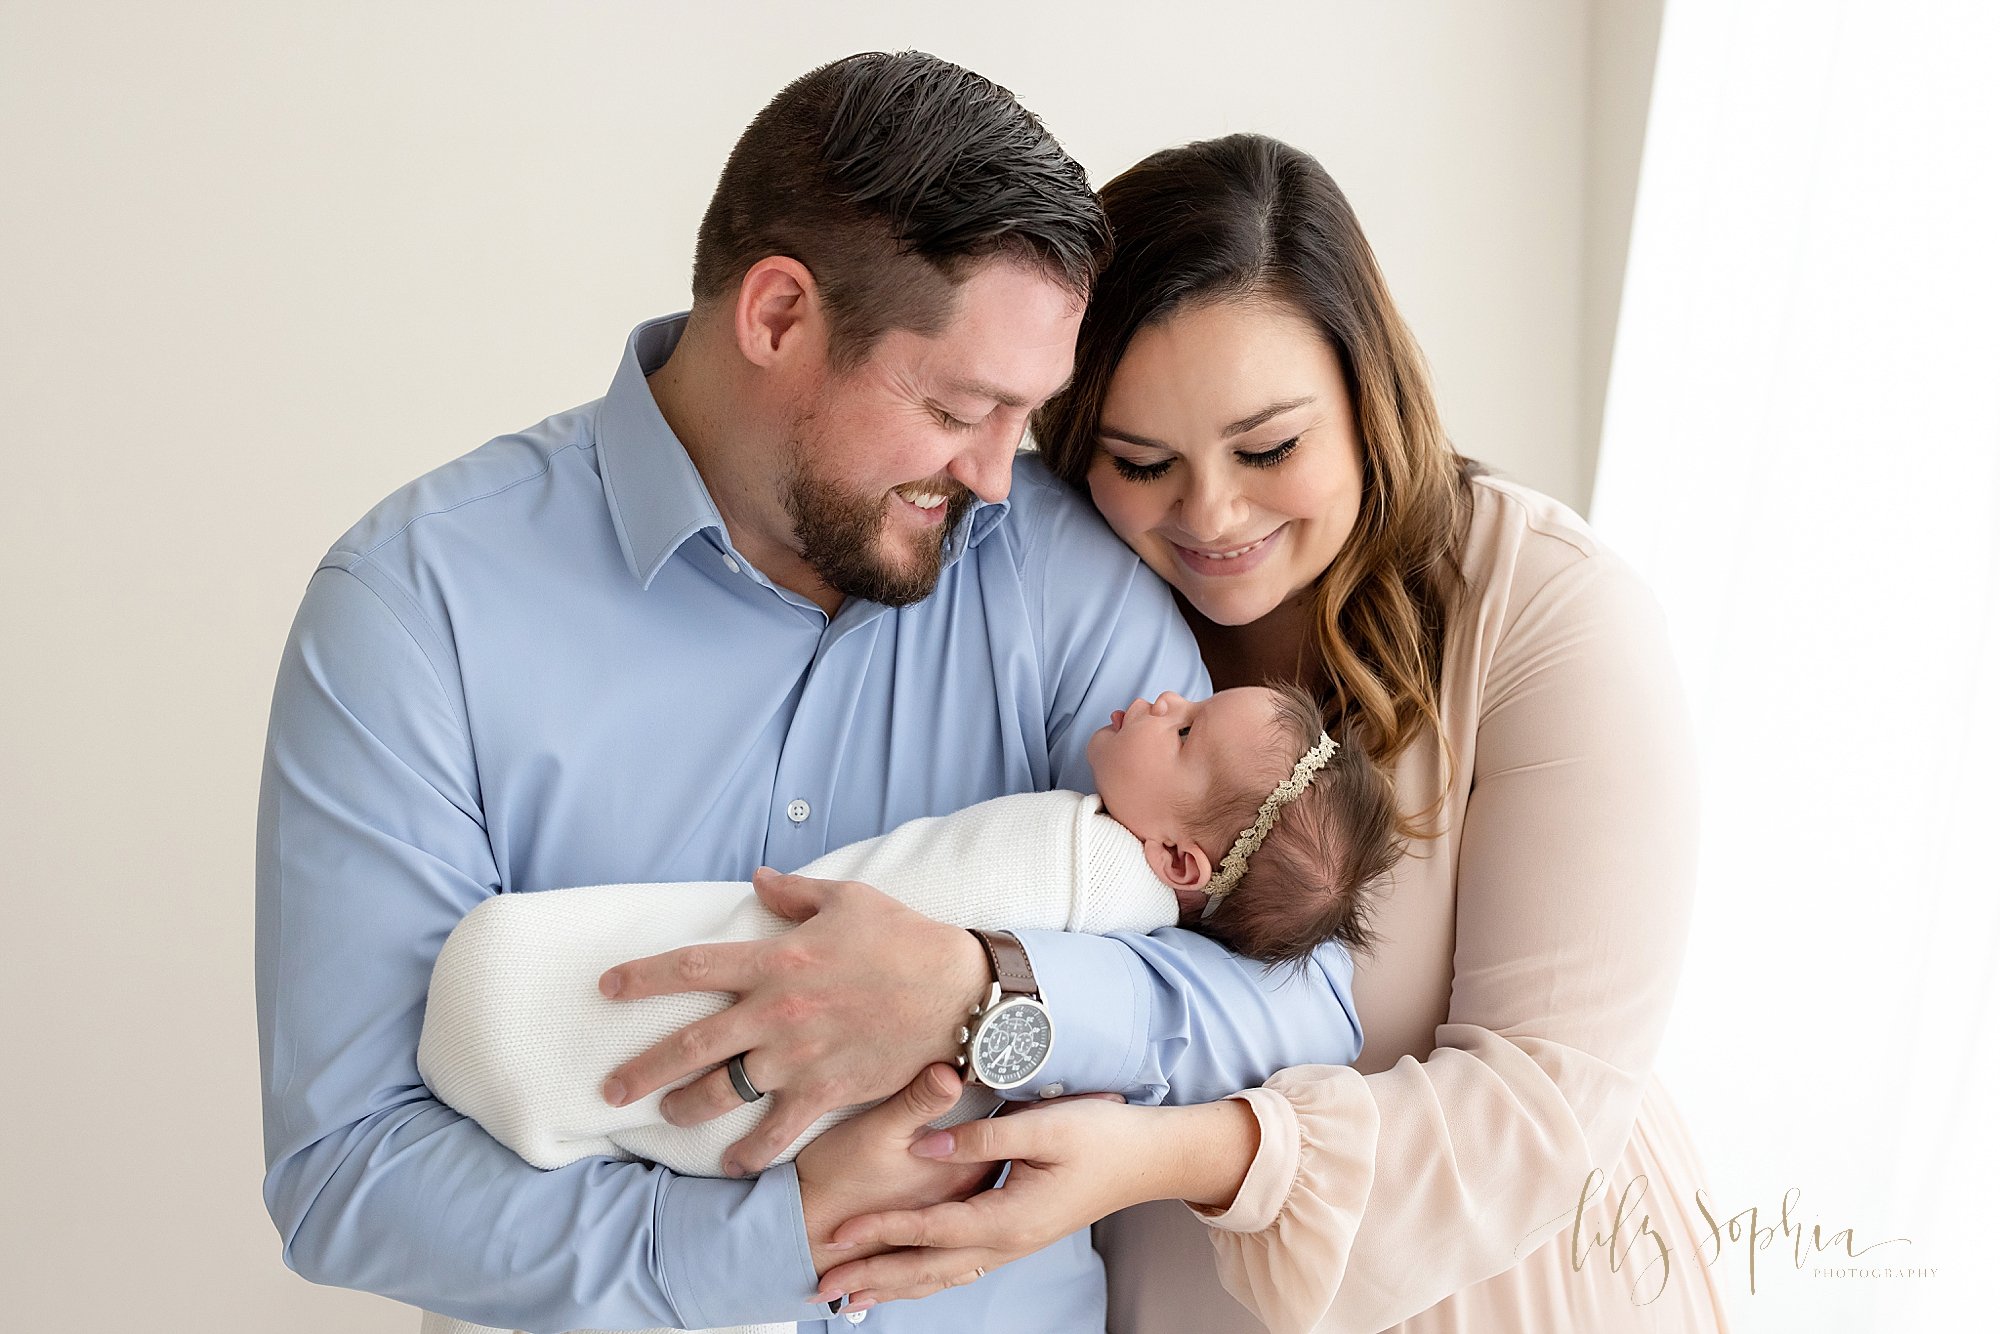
<point>1251,839</point>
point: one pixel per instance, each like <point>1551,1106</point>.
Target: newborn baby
<point>1237,816</point>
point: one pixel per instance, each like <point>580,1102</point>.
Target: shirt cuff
<point>1272,1170</point>
<point>735,1252</point>
<point>1098,1005</point>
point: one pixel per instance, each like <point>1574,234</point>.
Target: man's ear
<point>778,313</point>
<point>1182,865</point>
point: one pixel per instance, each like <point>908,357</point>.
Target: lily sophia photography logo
<point>1639,1249</point>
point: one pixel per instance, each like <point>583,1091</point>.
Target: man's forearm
<point>1174,1017</point>
<point>608,1245</point>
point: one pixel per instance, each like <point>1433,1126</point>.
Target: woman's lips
<point>1242,558</point>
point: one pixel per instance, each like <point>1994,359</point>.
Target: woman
<point>1252,417</point>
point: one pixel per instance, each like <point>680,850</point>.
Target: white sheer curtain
<point>1802,453</point>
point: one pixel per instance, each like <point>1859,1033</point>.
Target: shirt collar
<point>657,498</point>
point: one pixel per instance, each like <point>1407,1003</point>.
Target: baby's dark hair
<point>1317,874</point>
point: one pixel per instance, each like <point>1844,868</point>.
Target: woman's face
<point>1228,458</point>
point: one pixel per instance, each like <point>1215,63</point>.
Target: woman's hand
<point>865,1164</point>
<point>1075,1160</point>
<point>847,1007</point>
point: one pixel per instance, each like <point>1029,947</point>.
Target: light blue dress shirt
<point>544,664</point>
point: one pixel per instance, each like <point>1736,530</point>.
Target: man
<point>797,505</point>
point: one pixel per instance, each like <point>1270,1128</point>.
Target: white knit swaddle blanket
<point>517,1036</point>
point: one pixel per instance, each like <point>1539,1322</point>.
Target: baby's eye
<point>1187,729</point>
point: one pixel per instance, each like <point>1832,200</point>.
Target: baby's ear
<point>1182,866</point>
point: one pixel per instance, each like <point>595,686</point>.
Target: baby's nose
<point>1167,702</point>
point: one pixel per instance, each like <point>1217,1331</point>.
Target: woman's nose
<point>1208,512</point>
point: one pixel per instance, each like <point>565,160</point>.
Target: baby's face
<point>1157,756</point>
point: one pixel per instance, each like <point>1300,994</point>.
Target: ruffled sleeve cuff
<point>1319,1127</point>
<point>1283,1245</point>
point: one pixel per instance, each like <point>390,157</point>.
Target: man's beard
<point>841,533</point>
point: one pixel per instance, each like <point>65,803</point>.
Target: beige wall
<point>264,262</point>
<point>1618,75</point>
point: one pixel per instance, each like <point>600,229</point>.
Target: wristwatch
<point>1007,1039</point>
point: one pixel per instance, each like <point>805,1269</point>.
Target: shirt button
<point>1052,1090</point>
<point>798,811</point>
<point>734,568</point>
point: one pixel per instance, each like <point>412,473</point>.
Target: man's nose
<point>987,468</point>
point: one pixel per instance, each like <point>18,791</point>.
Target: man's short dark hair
<point>888,177</point>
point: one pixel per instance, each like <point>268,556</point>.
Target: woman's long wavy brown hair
<point>1247,217</point>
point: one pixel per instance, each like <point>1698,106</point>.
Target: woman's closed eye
<point>1139,472</point>
<point>1276,454</point>
<point>1149,472</point>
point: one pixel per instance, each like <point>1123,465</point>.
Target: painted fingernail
<point>829,1294</point>
<point>933,1146</point>
<point>614,1093</point>
<point>608,984</point>
<point>861,1305</point>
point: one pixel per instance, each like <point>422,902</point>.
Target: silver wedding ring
<point>744,1088</point>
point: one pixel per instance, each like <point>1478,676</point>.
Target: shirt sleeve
<point>1171,1016</point>
<point>1575,877</point>
<point>370,848</point>
<point>1174,1017</point>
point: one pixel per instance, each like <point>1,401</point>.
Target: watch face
<point>1013,1043</point>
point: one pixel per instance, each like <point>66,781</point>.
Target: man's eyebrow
<point>981,389</point>
<point>1256,419</point>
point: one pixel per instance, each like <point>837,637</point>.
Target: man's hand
<point>865,1164</point>
<point>847,1007</point>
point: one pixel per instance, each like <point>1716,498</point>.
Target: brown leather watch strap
<point>1010,963</point>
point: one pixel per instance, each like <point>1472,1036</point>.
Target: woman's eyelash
<point>1275,454</point>
<point>951,423</point>
<point>1149,472</point>
<point>1139,472</point>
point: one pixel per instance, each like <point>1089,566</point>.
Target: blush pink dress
<point>1528,962</point>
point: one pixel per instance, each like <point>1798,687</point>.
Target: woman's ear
<point>1181,865</point>
<point>777,309</point>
